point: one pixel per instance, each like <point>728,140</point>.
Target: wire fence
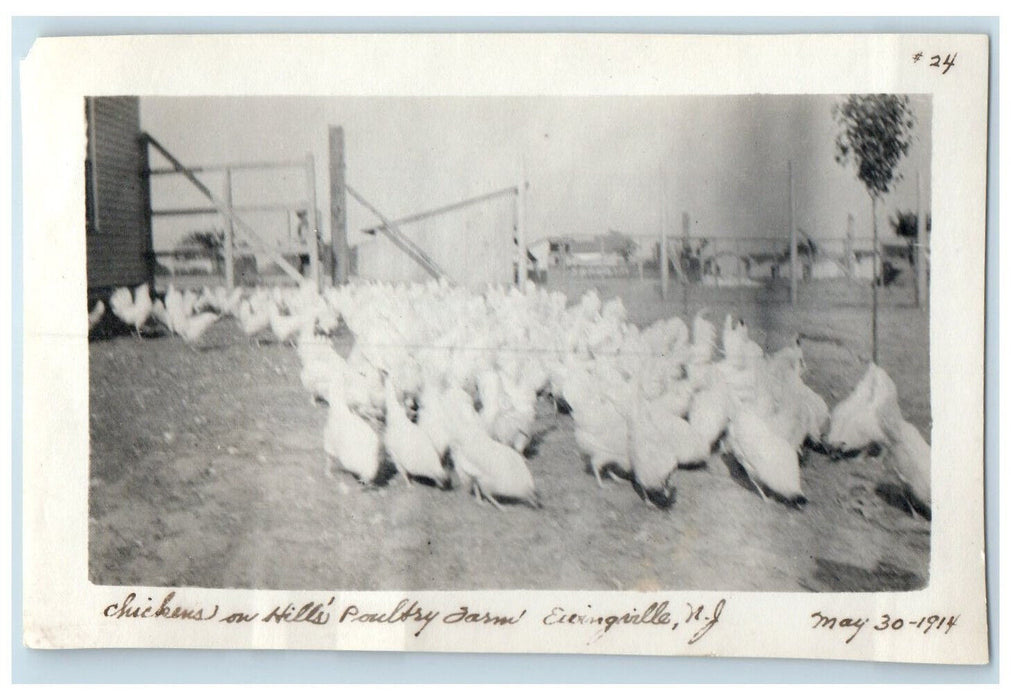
<point>837,271</point>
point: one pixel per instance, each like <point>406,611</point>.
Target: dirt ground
<point>207,469</point>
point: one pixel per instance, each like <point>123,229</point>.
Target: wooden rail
<point>390,229</point>
<point>444,209</point>
<point>197,211</point>
<point>224,208</point>
<point>222,167</point>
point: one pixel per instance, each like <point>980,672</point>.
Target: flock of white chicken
<point>440,380</point>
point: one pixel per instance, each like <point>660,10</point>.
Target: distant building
<point>569,250</point>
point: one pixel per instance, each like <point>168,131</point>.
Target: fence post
<point>339,206</point>
<point>921,245</point>
<point>664,269</point>
<point>313,221</point>
<point>521,232</point>
<point>793,239</point>
<point>686,231</point>
<point>850,255</point>
<point>229,234</point>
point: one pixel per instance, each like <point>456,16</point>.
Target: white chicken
<point>507,409</point>
<point>351,442</point>
<point>906,452</point>
<point>220,300</point>
<point>182,318</point>
<point>855,422</point>
<point>253,320</point>
<point>410,449</point>
<point>284,327</point>
<point>493,469</point>
<point>601,431</point>
<point>192,328</point>
<point>908,455</point>
<point>708,413</point>
<point>769,461</point>
<point>659,441</point>
<point>703,339</point>
<point>96,314</point>
<point>160,314</point>
<point>134,309</point>
<point>433,418</point>
<point>651,463</point>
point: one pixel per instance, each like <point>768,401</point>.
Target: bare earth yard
<point>207,469</point>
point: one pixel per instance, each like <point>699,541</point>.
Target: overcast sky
<point>593,164</point>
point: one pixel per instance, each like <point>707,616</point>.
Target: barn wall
<point>119,229</point>
<point>473,245</point>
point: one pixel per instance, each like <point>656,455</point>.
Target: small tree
<point>875,133</point>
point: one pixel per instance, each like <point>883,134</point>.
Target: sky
<point>593,164</point>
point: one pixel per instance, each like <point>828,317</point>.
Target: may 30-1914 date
<point>938,624</point>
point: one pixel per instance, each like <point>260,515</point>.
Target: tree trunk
<point>874,281</point>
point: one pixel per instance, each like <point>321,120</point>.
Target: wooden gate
<point>238,226</point>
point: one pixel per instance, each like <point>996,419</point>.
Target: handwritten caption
<point>693,620</point>
<point>851,626</point>
<point>944,64</point>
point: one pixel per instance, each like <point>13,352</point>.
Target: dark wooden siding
<point>119,229</point>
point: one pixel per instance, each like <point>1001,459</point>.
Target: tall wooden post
<point>664,269</point>
<point>521,232</point>
<point>850,255</point>
<point>313,221</point>
<point>229,234</point>
<point>793,238</point>
<point>339,207</point>
<point>686,232</point>
<point>874,282</point>
<point>921,245</point>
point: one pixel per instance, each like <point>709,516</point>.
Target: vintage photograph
<point>499,343</point>
<point>594,343</point>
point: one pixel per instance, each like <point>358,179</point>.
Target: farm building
<point>119,245</point>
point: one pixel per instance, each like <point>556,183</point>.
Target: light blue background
<point>169,666</point>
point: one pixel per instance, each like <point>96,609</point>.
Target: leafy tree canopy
<point>875,133</point>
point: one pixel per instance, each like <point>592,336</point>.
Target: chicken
<point>193,327</point>
<point>132,310</point>
<point>96,314</point>
<point>176,308</point>
<point>855,422</point>
<point>507,409</point>
<point>181,317</point>
<point>769,461</point>
<point>708,413</point>
<point>659,441</point>
<point>220,300</point>
<point>284,327</point>
<point>651,463</point>
<point>321,366</point>
<point>433,417</point>
<point>703,339</point>
<point>908,455</point>
<point>350,441</point>
<point>493,469</point>
<point>160,314</point>
<point>601,431</point>
<point>253,320</point>
<point>463,420</point>
<point>410,449</point>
